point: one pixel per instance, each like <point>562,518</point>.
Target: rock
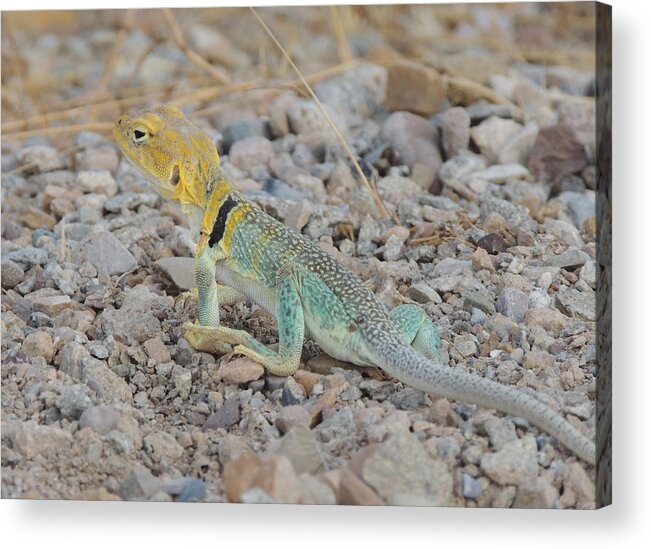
<point>516,463</point>
<point>12,274</point>
<point>500,173</point>
<point>577,480</point>
<point>101,419</point>
<point>577,304</point>
<point>240,371</point>
<point>97,181</point>
<point>231,447</point>
<point>242,129</point>
<point>492,243</point>
<point>414,138</point>
<point>27,256</point>
<point>302,449</point>
<point>537,360</point>
<point>512,303</point>
<point>139,485</point>
<point>580,205</point>
<point>456,169</point>
<point>455,131</point>
<point>272,474</point>
<point>251,152</point>
<point>414,87</point>
<point>293,393</point>
<point>481,259</point>
<point>568,234</point>
<point>536,494</point>
<point>213,46</point>
<point>104,381</point>
<point>298,217</point>
<point>41,157</point>
<point>51,305</point>
<point>183,384</point>
<point>470,488</point>
<point>163,447</point>
<point>39,343</point>
<point>557,152</point>
<point>227,415</point>
<point>315,491</point>
<point>354,491</point>
<point>422,293</point>
<point>180,270</point>
<point>588,273</point>
<point>500,432</point>
<point>107,254</point>
<point>569,259</point>
<point>517,148</point>
<point>292,416</point>
<point>395,188</point>
<point>402,468</point>
<point>552,321</point>
<point>580,114</point>
<point>157,350</point>
<point>186,489</point>
<point>450,265</point>
<point>31,439</point>
<point>492,134</point>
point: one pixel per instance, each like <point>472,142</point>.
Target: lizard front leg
<point>208,335</point>
<point>291,328</point>
<point>418,330</point>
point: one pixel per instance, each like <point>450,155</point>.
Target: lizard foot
<point>210,339</point>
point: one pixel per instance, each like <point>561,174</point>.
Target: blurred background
<point>65,71</point>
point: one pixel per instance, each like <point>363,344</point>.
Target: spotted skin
<point>306,289</point>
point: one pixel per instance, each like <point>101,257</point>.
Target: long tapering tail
<point>405,364</point>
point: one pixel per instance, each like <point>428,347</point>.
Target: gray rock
<point>512,303</point>
<point>580,205</point>
<point>402,468</point>
<point>439,202</point>
<point>450,265</point>
<point>227,415</point>
<point>513,214</point>
<point>569,259</point>
<point>422,293</point>
<point>186,489</point>
<point>140,485</point>
<point>106,383</point>
<point>12,274</point>
<point>515,463</point>
<point>588,273</point>
<point>73,402</point>
<point>414,137</point>
<point>458,167</point>
<point>180,270</point>
<point>97,181</point>
<point>581,305</point>
<point>101,419</point>
<point>292,416</point>
<point>563,231</point>
<point>107,254</point>
<point>536,494</point>
<point>501,173</point>
<point>492,134</point>
<point>126,201</point>
<point>300,446</point>
<point>293,393</point>
<point>41,157</point>
<point>28,256</point>
<point>163,447</point>
<point>517,148</point>
<point>409,399</point>
<point>478,300</point>
<point>241,129</point>
<point>455,131</point>
<point>470,488</point>
<point>500,432</point>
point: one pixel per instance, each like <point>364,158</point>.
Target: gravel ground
<point>102,398</point>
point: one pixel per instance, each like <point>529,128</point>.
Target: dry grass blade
<point>463,91</point>
<point>358,169</point>
<point>179,39</point>
<point>100,127</point>
<point>342,42</point>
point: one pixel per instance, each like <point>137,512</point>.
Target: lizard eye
<point>139,135</point>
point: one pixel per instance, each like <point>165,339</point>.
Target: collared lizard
<point>305,288</point>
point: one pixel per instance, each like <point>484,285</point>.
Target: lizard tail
<point>407,365</point>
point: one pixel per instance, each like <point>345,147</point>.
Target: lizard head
<point>178,158</point>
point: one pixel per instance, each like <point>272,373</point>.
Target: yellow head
<point>178,158</point>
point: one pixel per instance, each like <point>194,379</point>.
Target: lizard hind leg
<point>418,330</point>
<point>291,328</point>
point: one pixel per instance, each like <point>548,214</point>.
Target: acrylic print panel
<point>448,168</point>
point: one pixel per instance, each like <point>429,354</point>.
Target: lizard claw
<point>183,298</point>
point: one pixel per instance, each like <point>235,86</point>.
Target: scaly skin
<point>304,287</point>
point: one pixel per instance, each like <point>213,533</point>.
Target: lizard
<point>307,290</point>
